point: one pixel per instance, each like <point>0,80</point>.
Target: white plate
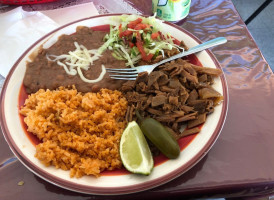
<point>108,184</point>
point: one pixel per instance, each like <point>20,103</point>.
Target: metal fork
<point>132,73</point>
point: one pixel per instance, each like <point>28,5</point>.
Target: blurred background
<point>261,26</point>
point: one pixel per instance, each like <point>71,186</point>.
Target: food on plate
<point>135,153</point>
<point>79,132</point>
<point>43,72</point>
<point>80,59</point>
<point>79,113</point>
<point>159,136</point>
<point>174,94</point>
<point>136,39</point>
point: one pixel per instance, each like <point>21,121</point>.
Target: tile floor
<point>262,27</point>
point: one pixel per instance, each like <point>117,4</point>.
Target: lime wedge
<point>135,153</point>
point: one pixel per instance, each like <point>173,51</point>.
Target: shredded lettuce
<point>106,45</point>
<point>121,50</point>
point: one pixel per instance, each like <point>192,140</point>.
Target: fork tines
<point>123,74</point>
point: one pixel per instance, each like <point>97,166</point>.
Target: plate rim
<point>122,189</point>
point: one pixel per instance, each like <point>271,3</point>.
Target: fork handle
<point>198,48</point>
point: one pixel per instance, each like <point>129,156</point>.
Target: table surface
<point>241,163</point>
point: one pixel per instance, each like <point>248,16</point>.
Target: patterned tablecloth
<point>241,162</point>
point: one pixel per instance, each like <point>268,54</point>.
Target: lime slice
<point>135,153</point>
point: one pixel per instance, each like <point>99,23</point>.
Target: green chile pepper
<point>159,136</point>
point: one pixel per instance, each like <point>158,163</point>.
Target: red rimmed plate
<point>109,183</point>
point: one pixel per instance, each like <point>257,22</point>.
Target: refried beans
<point>44,74</point>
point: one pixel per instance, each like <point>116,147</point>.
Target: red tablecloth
<point>241,163</point>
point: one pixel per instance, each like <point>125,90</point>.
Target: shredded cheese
<point>76,61</point>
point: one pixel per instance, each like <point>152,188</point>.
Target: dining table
<point>239,165</point>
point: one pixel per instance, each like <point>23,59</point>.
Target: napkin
<point>70,14</point>
<point>20,29</point>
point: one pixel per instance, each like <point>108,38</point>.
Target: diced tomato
<point>161,35</point>
<point>177,42</point>
<point>132,24</point>
<point>125,33</point>
<point>131,44</point>
<point>145,27</point>
<point>120,30</point>
<point>149,57</point>
<point>154,35</point>
<point>141,26</point>
<point>138,37</point>
<point>141,49</point>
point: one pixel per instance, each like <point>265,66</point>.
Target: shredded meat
<point>158,100</point>
<point>191,131</point>
<point>176,93</point>
<point>195,122</point>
